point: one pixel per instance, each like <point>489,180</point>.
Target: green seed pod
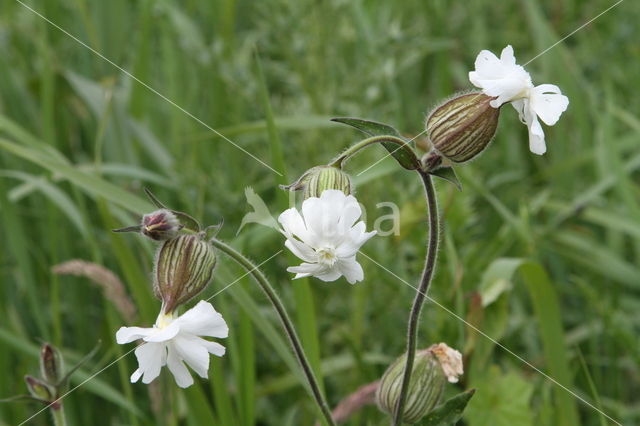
<point>425,387</point>
<point>183,268</point>
<point>51,365</point>
<point>314,181</point>
<point>462,127</point>
<point>39,389</point>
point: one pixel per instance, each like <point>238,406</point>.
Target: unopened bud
<point>321,178</point>
<point>39,389</point>
<point>160,225</point>
<point>426,385</point>
<point>51,366</point>
<point>462,127</point>
<point>184,267</point>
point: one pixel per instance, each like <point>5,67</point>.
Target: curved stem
<point>353,149</point>
<point>427,274</point>
<point>286,324</point>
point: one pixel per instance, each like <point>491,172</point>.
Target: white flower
<point>325,236</point>
<point>508,82</point>
<point>173,341</point>
<point>450,360</point>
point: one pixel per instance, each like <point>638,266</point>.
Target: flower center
<point>164,320</point>
<point>327,256</point>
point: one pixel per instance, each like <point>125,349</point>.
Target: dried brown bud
<point>183,268</point>
<point>462,127</point>
<point>160,225</point>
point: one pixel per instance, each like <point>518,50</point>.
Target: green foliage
<point>539,253</point>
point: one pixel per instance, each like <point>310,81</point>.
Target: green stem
<point>286,324</point>
<point>427,274</point>
<point>354,149</point>
<point>57,411</point>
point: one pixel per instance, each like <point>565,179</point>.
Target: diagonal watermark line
<point>509,351</point>
<point>127,353</point>
<point>572,32</point>
<point>243,275</point>
<point>145,85</point>
<point>527,63</point>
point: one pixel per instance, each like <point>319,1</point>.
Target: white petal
<point>163,334</point>
<point>351,269</point>
<point>300,249</point>
<point>179,370</point>
<point>507,57</point>
<point>548,103</point>
<point>129,334</point>
<point>486,64</point>
<point>322,214</point>
<point>355,239</point>
<point>351,212</point>
<point>203,320</point>
<point>151,357</point>
<point>293,224</point>
<point>214,348</point>
<point>307,269</point>
<point>136,376</point>
<point>536,138</point>
<point>331,274</point>
<point>519,105</point>
<point>193,352</point>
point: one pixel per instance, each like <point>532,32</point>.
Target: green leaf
<point>92,185</point>
<point>547,310</point>
<point>450,411</point>
<point>448,174</point>
<point>503,400</point>
<point>402,153</point>
<point>497,279</point>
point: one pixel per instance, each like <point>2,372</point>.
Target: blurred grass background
<point>541,253</point>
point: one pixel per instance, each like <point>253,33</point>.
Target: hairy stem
<point>58,414</point>
<point>286,324</point>
<point>354,149</point>
<point>427,274</point>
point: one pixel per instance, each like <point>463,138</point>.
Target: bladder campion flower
<point>172,341</point>
<point>326,236</point>
<point>506,81</point>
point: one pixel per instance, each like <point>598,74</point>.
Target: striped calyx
<point>425,387</point>
<point>317,179</point>
<point>184,267</point>
<point>462,127</point>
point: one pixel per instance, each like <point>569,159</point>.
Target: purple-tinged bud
<point>183,268</point>
<point>160,225</point>
<point>461,128</point>
<point>39,389</point>
<point>51,365</point>
<point>318,179</point>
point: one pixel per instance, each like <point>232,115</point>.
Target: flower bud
<point>314,181</point>
<point>183,268</point>
<point>431,369</point>
<point>462,127</point>
<point>51,366</point>
<point>39,389</point>
<point>160,225</point>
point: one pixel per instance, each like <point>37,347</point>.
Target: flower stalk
<point>355,148</point>
<point>287,324</point>
<point>57,412</point>
<point>421,294</point>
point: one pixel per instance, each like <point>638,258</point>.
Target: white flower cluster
<point>503,79</point>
